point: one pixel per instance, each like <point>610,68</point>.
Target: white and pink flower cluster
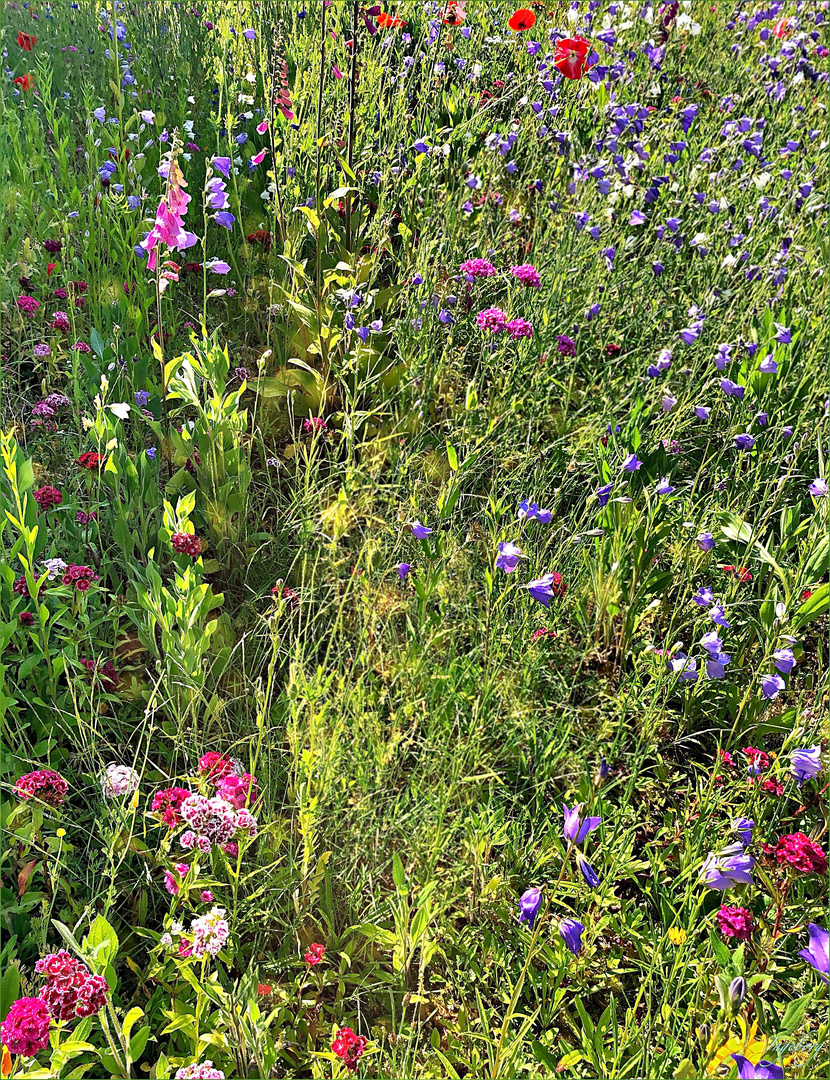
<point>217,820</point>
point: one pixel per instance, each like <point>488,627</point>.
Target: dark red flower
<point>521,20</point>
<point>571,57</point>
<point>186,544</point>
<point>349,1047</point>
<point>90,460</point>
<point>47,497</point>
<point>26,41</point>
<point>802,853</point>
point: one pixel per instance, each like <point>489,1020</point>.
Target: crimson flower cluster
<point>168,803</point>
<point>25,1030</point>
<point>800,852</point>
<point>71,989</point>
<point>43,785</point>
<point>90,460</point>
<point>47,497</point>
<point>79,576</point>
<point>186,544</point>
<point>349,1047</point>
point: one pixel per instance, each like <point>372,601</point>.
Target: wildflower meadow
<point>414,539</point>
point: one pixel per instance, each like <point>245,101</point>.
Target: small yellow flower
<point>677,936</point>
<point>60,833</point>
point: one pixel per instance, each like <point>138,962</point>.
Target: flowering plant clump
<point>413,539</point>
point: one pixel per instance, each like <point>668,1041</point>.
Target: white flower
<point>117,780</point>
<point>121,409</point>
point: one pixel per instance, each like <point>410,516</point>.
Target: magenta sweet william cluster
<point>168,803</point>
<point>25,1030</point>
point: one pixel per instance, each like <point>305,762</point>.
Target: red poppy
<point>454,12</point>
<point>26,41</point>
<point>521,20</point>
<point>390,22</point>
<point>782,28</point>
<point>24,82</point>
<point>571,57</point>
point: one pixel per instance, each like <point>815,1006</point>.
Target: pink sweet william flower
<point>210,932</point>
<point>25,1030</point>
<point>477,268</point>
<point>519,328</point>
<point>167,804</point>
<point>44,786</point>
<point>238,790</point>
<point>493,320</point>
<point>527,275</point>
<point>735,922</point>
<point>28,305</point>
<point>205,1071</point>
<point>60,321</point>
<point>216,766</point>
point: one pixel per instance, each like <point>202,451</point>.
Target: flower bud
<point>737,991</point>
